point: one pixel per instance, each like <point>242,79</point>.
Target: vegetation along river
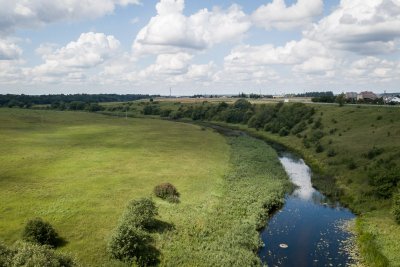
<point>308,230</point>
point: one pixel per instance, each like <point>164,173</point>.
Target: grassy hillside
<point>79,170</point>
<point>353,133</point>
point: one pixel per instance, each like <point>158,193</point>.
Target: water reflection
<point>300,175</point>
<point>307,225</point>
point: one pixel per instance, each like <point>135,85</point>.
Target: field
<point>79,170</point>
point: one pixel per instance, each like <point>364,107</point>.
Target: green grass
<point>226,234</point>
<point>79,170</point>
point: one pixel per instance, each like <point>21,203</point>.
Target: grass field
<point>78,171</point>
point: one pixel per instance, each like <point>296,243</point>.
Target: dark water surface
<point>307,230</point>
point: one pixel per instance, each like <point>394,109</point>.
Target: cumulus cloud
<point>167,67</point>
<point>277,15</point>
<point>293,52</point>
<point>361,26</point>
<point>90,50</point>
<point>21,13</point>
<point>9,50</point>
<point>372,69</point>
<point>171,31</point>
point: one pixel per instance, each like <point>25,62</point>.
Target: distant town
<point>363,97</point>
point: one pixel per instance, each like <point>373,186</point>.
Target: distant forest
<point>27,101</point>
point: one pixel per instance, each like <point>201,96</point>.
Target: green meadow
<point>78,171</point>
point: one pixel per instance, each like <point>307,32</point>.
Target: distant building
<point>351,95</point>
<point>393,100</point>
<point>366,95</point>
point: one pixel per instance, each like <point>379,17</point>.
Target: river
<point>308,230</point>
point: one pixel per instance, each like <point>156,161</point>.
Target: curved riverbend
<point>308,230</point>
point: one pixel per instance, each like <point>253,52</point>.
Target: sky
<point>199,47</point>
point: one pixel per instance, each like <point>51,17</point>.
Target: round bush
<point>167,191</point>
<point>128,243</point>
<point>140,213</point>
<point>40,232</point>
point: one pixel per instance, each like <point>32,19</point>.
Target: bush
<point>283,131</point>
<point>384,182</point>
<point>319,148</point>
<point>298,128</point>
<point>351,165</point>
<point>331,153</point>
<point>40,232</point>
<point>30,254</point>
<point>140,213</point>
<point>129,243</point>
<point>396,207</point>
<point>5,255</point>
<point>374,152</point>
<point>167,191</point>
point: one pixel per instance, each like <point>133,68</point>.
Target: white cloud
<point>90,50</point>
<point>316,65</point>
<point>279,16</point>
<point>11,71</point>
<point>361,26</point>
<point>167,66</point>
<point>26,14</point>
<point>9,50</point>
<point>293,52</point>
<point>373,69</point>
<point>170,31</point>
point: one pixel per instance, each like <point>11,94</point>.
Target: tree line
<point>62,100</point>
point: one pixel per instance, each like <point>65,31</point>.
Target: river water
<point>308,230</point>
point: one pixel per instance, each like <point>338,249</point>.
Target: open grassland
<point>78,171</point>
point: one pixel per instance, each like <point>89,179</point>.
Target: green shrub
<point>331,153</point>
<point>374,152</point>
<point>283,131</point>
<point>317,135</point>
<point>30,254</point>
<point>6,255</point>
<point>40,232</point>
<point>129,243</point>
<point>167,191</point>
<point>140,213</point>
<point>384,181</point>
<point>298,128</point>
<point>318,124</point>
<point>351,165</point>
<point>396,207</point>
<point>319,148</point>
<point>306,143</point>
<point>165,113</point>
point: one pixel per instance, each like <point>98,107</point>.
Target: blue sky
<point>213,47</point>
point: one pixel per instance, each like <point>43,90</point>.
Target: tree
<point>341,99</point>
